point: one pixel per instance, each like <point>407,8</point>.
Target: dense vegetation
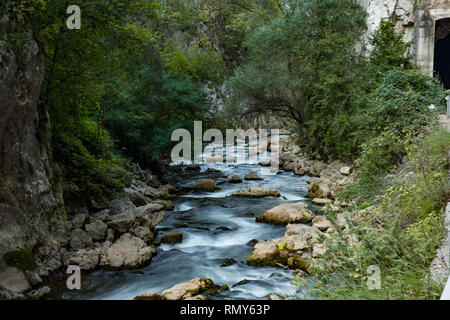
<point>138,69</point>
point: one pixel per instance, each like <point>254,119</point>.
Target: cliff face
<point>30,208</point>
<point>416,19</point>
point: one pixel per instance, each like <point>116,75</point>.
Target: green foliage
<point>21,258</point>
<point>389,49</point>
<point>303,65</point>
<point>403,259</point>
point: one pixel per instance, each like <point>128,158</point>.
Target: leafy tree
<point>303,65</point>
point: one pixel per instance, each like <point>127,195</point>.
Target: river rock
<point>172,237</point>
<point>319,250</point>
<point>86,259</point>
<point>37,294</point>
<point>252,176</point>
<point>204,185</point>
<point>110,235</point>
<point>297,212</point>
<point>80,239</point>
<point>150,215</point>
<point>122,222</point>
<point>167,191</point>
<point>151,295</point>
<point>143,233</point>
<point>267,162</point>
<point>345,171</point>
<point>118,206</point>
<point>102,215</point>
<point>167,204</point>
<point>318,188</point>
<point>286,251</point>
<point>14,280</point>
<point>318,167</point>
<point>193,288</point>
<point>235,179</point>
<point>96,230</point>
<point>128,252</point>
<point>292,250</point>
<point>321,201</point>
<point>79,220</point>
<point>136,197</point>
<point>322,223</point>
<point>256,193</point>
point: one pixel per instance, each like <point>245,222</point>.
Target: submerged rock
<point>252,176</point>
<point>256,193</point>
<point>297,212</point>
<point>205,185</point>
<point>235,179</point>
<point>172,237</point>
<point>228,262</point>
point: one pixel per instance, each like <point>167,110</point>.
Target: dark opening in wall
<point>442,51</point>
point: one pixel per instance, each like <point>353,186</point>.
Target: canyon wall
<point>31,207</point>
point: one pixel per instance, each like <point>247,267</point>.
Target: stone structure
<point>422,22</point>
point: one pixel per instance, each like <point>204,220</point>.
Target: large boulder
<point>14,280</point>
<point>318,188</point>
<point>252,176</point>
<point>191,289</point>
<point>318,167</point>
<point>86,259</point>
<point>122,222</point>
<point>256,193</point>
<point>292,250</point>
<point>322,223</point>
<point>143,233</point>
<point>127,253</point>
<point>235,179</point>
<point>138,198</point>
<point>167,204</point>
<point>80,239</point>
<point>79,220</point>
<point>118,206</point>
<point>96,229</point>
<point>297,212</point>
<point>172,237</point>
<point>167,191</point>
<point>204,185</point>
<point>150,215</point>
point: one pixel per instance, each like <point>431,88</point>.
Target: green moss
<point>260,262</point>
<point>21,259</point>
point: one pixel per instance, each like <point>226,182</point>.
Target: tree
<point>303,65</point>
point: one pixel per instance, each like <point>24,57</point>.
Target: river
<point>215,227</point>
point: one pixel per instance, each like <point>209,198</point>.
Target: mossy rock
<point>262,262</point>
<point>21,258</point>
<point>172,237</point>
<point>167,204</point>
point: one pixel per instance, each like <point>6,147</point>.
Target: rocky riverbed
<point>237,226</point>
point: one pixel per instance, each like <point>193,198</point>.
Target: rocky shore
<point>120,236</point>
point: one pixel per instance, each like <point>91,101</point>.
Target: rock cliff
<point>31,208</point>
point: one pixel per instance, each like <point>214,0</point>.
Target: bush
<point>409,225</point>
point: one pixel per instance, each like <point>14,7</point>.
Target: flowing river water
<point>215,227</point>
